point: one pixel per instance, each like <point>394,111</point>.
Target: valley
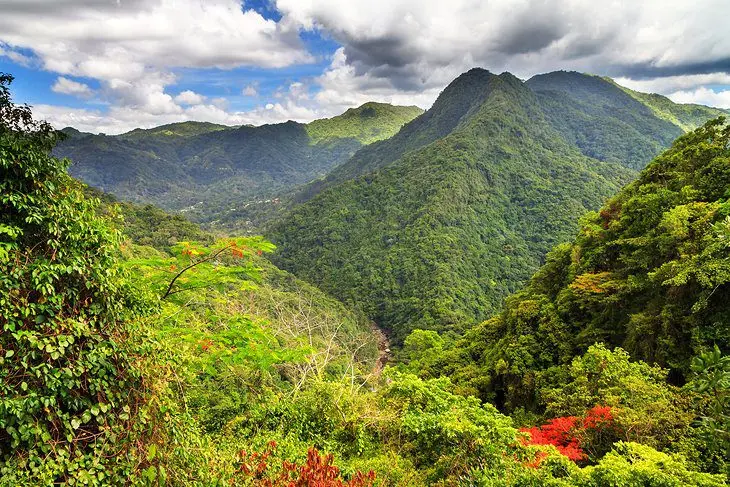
<point>525,284</point>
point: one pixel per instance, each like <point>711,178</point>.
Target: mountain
<point>649,272</point>
<point>209,169</point>
<point>687,116</point>
<point>437,238</point>
<point>611,123</point>
<point>604,120</point>
<point>169,357</point>
<point>367,123</point>
<point>180,129</point>
<point>433,227</point>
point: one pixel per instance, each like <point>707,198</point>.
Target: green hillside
<point>453,105</point>
<point>161,355</point>
<point>180,129</point>
<point>650,273</point>
<point>433,227</point>
<point>686,116</point>
<point>438,238</point>
<point>367,123</point>
<point>610,122</point>
<point>212,171</point>
<point>602,119</point>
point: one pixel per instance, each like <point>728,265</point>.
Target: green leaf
<point>150,473</point>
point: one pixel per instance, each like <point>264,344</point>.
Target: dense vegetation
<point>611,123</point>
<point>71,389</point>
<point>173,357</point>
<point>438,238</point>
<point>224,175</point>
<point>649,273</point>
<point>367,123</point>
<point>433,227</point>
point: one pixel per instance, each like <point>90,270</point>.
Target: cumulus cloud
<point>189,97</point>
<point>396,51</point>
<point>414,47</point>
<point>703,96</point>
<point>68,86</point>
<point>107,39</point>
<point>122,119</point>
<point>296,103</point>
<point>250,90</point>
<point>132,46</point>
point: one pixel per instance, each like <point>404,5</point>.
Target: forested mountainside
<point>649,272</point>
<point>208,169</point>
<point>455,211</point>
<point>157,360</point>
<point>611,123</point>
<point>604,120</point>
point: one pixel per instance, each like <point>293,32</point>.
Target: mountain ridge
<point>208,168</point>
<point>436,238</point>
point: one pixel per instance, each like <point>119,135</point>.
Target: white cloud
<point>703,96</point>
<point>670,84</point>
<point>220,102</point>
<point>70,87</point>
<point>152,109</point>
<point>189,97</point>
<point>132,47</point>
<point>408,38</point>
<point>250,90</point>
<point>396,51</point>
<point>341,87</point>
<point>15,56</point>
<point>407,50</point>
<point>103,40</point>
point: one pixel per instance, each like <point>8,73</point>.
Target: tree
<point>712,379</point>
<point>68,385</point>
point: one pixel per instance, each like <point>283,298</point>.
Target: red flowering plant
<point>318,471</point>
<point>572,436</point>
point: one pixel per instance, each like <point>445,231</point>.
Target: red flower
<point>565,433</point>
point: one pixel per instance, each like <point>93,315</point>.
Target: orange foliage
<point>318,471</point>
<point>591,283</point>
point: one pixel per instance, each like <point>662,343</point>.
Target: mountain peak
<point>370,122</point>
<point>475,76</point>
<point>568,81</point>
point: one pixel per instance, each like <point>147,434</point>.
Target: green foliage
<point>148,225</point>
<point>712,378</point>
<point>367,123</point>
<point>631,464</point>
<point>71,397</point>
<point>446,433</point>
<point>438,238</point>
<point>644,407</point>
<point>224,176</point>
<point>649,273</point>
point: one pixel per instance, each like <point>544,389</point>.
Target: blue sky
<point>113,65</point>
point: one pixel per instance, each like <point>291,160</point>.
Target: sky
<point>114,65</point>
